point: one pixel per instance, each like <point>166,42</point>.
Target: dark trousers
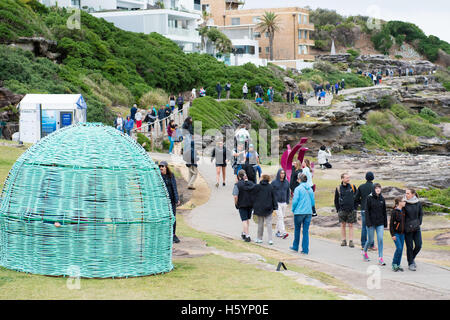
<point>413,243</point>
<point>174,210</point>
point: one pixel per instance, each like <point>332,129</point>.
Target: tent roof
<point>53,101</point>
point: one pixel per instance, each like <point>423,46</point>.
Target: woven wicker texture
<point>107,194</point>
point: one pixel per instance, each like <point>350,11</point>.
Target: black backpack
<point>342,203</point>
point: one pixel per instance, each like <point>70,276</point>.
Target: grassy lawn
<point>9,155</point>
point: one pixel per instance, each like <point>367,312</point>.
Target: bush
<point>386,102</point>
<point>419,127</point>
<point>325,66</point>
<point>400,111</point>
<point>145,142</point>
<point>155,97</point>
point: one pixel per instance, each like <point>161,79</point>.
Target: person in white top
<point>245,90</point>
<point>193,93</point>
<point>322,158</point>
<point>138,118</point>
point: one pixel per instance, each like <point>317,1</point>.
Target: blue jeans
<point>399,242</point>
<point>364,230</point>
<point>171,144</point>
<point>300,219</point>
<point>371,234</point>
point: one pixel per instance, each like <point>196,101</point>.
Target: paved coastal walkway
<point>219,216</point>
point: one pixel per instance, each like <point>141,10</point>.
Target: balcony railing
<point>189,33</point>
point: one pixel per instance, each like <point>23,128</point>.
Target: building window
<point>306,35</point>
<point>266,34</point>
<point>299,34</point>
<point>257,35</point>
<point>205,7</point>
<point>260,50</point>
<point>303,19</point>
<point>75,3</point>
<point>267,50</point>
<point>302,49</point>
<point>235,21</point>
<point>256,19</point>
<point>197,5</point>
<point>244,49</point>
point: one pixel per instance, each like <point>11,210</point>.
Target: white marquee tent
<point>41,114</point>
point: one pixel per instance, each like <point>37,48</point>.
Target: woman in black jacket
<point>296,171</point>
<point>221,154</point>
<point>397,230</point>
<point>263,206</point>
<point>376,220</point>
<point>171,185</point>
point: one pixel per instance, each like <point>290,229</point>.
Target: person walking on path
<point>344,201</point>
<point>376,221</point>
<point>282,193</point>
<point>219,90</point>
<point>302,204</point>
<point>263,205</point>
<point>150,118</point>
<point>118,123</point>
<point>270,94</point>
<point>245,90</point>
<point>413,221</point>
<point>243,201</point>
<point>133,111</point>
<point>129,124</point>
<point>180,103</point>
<point>360,199</point>
<point>161,116</point>
<point>336,88</point>
<point>323,96</point>
<point>306,165</point>
<point>171,134</point>
<point>322,158</point>
<point>171,186</point>
<point>221,154</point>
<point>228,89</point>
<point>397,230</point>
<point>172,102</point>
<point>138,117</point>
<point>190,157</point>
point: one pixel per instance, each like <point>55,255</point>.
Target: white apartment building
<point>177,20</point>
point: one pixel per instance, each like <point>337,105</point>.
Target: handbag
<point>412,225</point>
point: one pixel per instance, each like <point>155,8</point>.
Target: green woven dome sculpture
<point>107,194</point>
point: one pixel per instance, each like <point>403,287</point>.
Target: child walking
<point>397,229</point>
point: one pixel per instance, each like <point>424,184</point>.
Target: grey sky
<point>432,16</point>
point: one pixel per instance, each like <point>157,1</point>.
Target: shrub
<point>386,102</point>
<point>400,111</point>
<point>416,126</point>
<point>325,66</point>
<point>155,97</point>
<point>145,142</point>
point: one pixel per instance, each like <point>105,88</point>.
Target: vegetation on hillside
<point>396,127</point>
<point>329,24</point>
<point>132,63</point>
<point>439,196</point>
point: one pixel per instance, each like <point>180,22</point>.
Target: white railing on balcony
<point>189,33</point>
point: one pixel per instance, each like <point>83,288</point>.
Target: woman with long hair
<point>397,230</point>
<point>171,185</point>
<point>171,134</point>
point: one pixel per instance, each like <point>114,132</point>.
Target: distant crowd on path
<point>322,90</point>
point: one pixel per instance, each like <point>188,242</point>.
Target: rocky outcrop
<point>8,98</point>
<point>381,62</point>
<point>335,58</point>
<point>41,47</point>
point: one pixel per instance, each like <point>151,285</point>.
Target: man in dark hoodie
<point>264,203</point>
<point>361,199</point>
<point>413,221</point>
<point>282,192</point>
<point>243,200</point>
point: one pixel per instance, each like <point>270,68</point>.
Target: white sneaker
<point>271,242</point>
<point>258,241</point>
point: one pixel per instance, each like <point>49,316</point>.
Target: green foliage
<point>354,54</point>
<point>419,127</point>
<point>352,80</point>
<point>323,45</point>
<point>439,196</point>
<point>400,111</point>
<point>443,76</point>
<point>322,17</point>
<point>145,142</point>
<point>325,66</point>
<point>382,41</point>
<point>387,101</point>
<point>155,97</point>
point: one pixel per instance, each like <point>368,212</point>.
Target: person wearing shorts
<point>344,201</point>
<point>243,201</point>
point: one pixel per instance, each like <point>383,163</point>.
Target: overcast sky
<point>432,16</point>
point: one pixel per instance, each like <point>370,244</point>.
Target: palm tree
<point>269,23</point>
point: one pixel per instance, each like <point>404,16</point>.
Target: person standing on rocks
<point>413,221</point>
<point>376,221</point>
<point>302,204</point>
<point>397,230</point>
<point>344,201</point>
<point>361,199</point>
<point>171,186</point>
<point>263,206</point>
<point>282,194</point>
<point>243,201</point>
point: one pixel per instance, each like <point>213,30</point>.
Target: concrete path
<point>219,216</point>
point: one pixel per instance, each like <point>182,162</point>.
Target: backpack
<point>341,200</point>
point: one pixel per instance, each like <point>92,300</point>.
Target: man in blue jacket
<point>302,204</point>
